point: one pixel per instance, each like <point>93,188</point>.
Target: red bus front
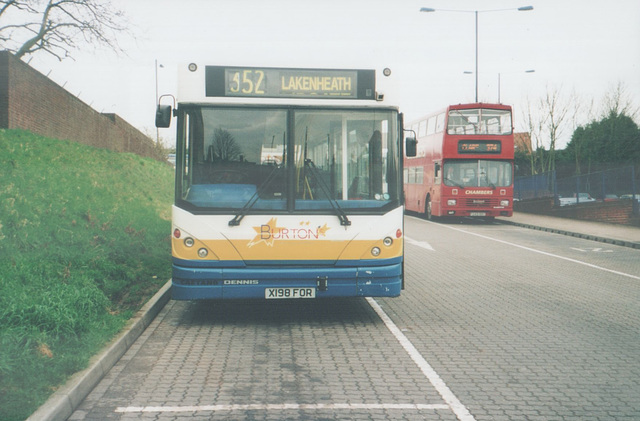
<point>464,165</point>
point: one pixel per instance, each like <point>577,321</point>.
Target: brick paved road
<point>515,333</point>
<point>550,331</point>
<point>233,354</point>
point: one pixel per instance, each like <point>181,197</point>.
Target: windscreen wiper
<point>252,201</point>
<point>325,189</point>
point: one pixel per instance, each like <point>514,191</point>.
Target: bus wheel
<point>427,209</point>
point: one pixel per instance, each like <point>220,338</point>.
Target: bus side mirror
<point>411,145</point>
<point>163,116</point>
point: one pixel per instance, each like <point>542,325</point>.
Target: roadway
<point>498,322</point>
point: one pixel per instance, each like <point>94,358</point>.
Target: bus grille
<point>481,202</point>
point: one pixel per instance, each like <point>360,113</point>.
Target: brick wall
<point>31,101</point>
<point>615,212</point>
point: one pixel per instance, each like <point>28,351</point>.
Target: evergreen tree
<point>613,140</point>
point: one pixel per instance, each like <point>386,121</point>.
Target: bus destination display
<point>289,83</point>
<point>479,146</point>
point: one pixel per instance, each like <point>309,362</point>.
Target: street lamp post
<point>475,12</point>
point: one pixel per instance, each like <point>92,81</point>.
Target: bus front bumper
<point>194,283</point>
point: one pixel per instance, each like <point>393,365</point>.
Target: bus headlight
<point>452,202</point>
<point>504,203</point>
<point>188,242</point>
<point>202,253</point>
<point>387,241</point>
<point>375,251</point>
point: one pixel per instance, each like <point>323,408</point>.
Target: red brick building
<point>522,142</point>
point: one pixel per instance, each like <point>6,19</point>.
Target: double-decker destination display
<point>464,162</point>
<point>288,184</point>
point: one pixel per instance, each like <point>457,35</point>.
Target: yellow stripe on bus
<point>286,250</point>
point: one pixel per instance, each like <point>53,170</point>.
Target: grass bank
<point>84,242</point>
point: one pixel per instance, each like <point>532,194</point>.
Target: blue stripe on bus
<point>218,283</point>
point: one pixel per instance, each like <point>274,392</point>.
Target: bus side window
<point>437,172</point>
<point>431,125</point>
<point>440,120</point>
<point>422,128</point>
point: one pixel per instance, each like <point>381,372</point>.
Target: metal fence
<point>535,186</point>
<point>614,184</point>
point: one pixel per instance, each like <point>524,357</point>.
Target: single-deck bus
<point>464,162</point>
<point>288,184</point>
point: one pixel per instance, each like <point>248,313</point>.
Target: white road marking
<point>543,252</point>
<point>422,244</point>
<point>595,250</point>
<point>276,407</point>
<point>452,401</point>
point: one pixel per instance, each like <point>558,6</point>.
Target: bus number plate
<point>282,293</point>
<point>477,214</point>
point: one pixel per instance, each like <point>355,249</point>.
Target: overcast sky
<point>573,45</point>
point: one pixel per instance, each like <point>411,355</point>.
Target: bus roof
<point>465,106</point>
<point>479,105</point>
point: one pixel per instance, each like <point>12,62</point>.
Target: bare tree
<point>617,102</point>
<point>535,123</point>
<point>547,122</point>
<point>224,146</point>
<point>559,111</point>
<point>58,26</point>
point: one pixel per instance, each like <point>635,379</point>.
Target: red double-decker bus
<point>464,162</point>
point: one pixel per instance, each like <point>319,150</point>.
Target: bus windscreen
<point>272,159</point>
<point>479,121</point>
